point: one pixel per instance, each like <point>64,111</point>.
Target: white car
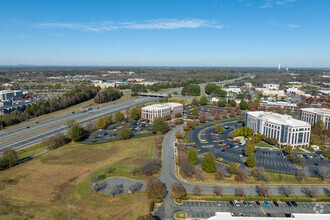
<point>236,203</point>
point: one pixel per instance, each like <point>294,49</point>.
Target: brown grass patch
<point>44,188</point>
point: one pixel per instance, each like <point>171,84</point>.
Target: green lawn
<point>263,144</point>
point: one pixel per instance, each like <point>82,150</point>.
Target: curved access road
<point>168,173</point>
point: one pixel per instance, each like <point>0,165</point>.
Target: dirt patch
<point>82,170</point>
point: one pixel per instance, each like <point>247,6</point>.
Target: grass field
<point>56,185</point>
<point>263,144</point>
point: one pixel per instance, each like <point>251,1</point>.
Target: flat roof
<point>323,111</point>
<point>278,118</point>
<point>162,106</point>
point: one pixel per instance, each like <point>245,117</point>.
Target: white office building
<point>271,86</point>
<point>265,103</point>
<point>312,115</point>
<point>287,130</point>
<point>11,95</point>
<point>161,110</point>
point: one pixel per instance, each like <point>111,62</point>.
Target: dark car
<point>27,126</point>
<point>269,215</point>
<point>245,203</point>
<point>231,203</point>
<point>257,203</point>
<point>250,204</point>
<point>294,203</point>
<point>289,204</point>
<point>275,203</point>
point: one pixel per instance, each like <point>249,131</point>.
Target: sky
<point>224,33</point>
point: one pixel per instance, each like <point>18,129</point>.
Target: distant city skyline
<point>197,33</point>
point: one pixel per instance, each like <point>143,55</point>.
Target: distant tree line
<point>191,90</point>
<point>75,96</point>
<point>107,95</point>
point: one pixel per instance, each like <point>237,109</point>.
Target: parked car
<point>257,203</point>
<point>231,203</point>
<point>236,203</point>
<point>250,204</point>
<point>267,203</point>
<point>289,204</point>
<point>218,203</point>
<point>294,203</point>
<point>245,204</point>
<point>275,203</point>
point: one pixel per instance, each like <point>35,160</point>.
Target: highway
<point>29,133</point>
<point>59,124</point>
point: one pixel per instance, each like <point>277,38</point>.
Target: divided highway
<point>59,124</point>
<point>26,134</point>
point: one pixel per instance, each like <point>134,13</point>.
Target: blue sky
<point>262,33</point>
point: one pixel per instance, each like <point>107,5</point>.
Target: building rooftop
<point>322,111</point>
<point>162,106</point>
<point>278,118</point>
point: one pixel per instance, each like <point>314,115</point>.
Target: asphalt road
<point>168,176</point>
<point>268,158</point>
<point>59,124</point>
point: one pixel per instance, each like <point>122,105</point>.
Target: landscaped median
<point>231,197</point>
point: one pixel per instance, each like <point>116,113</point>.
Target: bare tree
<point>263,190</point>
<point>241,175</point>
<point>187,169</point>
<point>302,174</point>
<point>220,173</point>
<point>287,190</point>
<point>240,191</point>
<point>324,173</point>
<point>197,190</point>
<point>260,175</point>
<point>218,190</point>
<point>313,191</point>
<point>199,173</point>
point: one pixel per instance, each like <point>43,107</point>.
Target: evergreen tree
<point>208,163</point>
<point>243,104</point>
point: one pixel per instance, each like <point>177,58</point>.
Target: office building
<point>271,86</point>
<point>284,128</point>
<point>11,95</point>
<point>312,115</point>
<point>161,110</point>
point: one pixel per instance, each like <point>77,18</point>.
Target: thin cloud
<point>159,24</point>
<point>292,25</point>
<point>275,23</point>
<point>271,3</point>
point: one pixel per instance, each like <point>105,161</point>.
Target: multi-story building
<point>284,128</point>
<point>271,86</point>
<point>11,95</point>
<point>161,110</point>
<point>312,115</point>
<point>248,85</point>
<point>287,105</point>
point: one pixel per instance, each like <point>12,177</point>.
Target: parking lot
<point>109,134</point>
<point>271,159</point>
<point>197,209</point>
